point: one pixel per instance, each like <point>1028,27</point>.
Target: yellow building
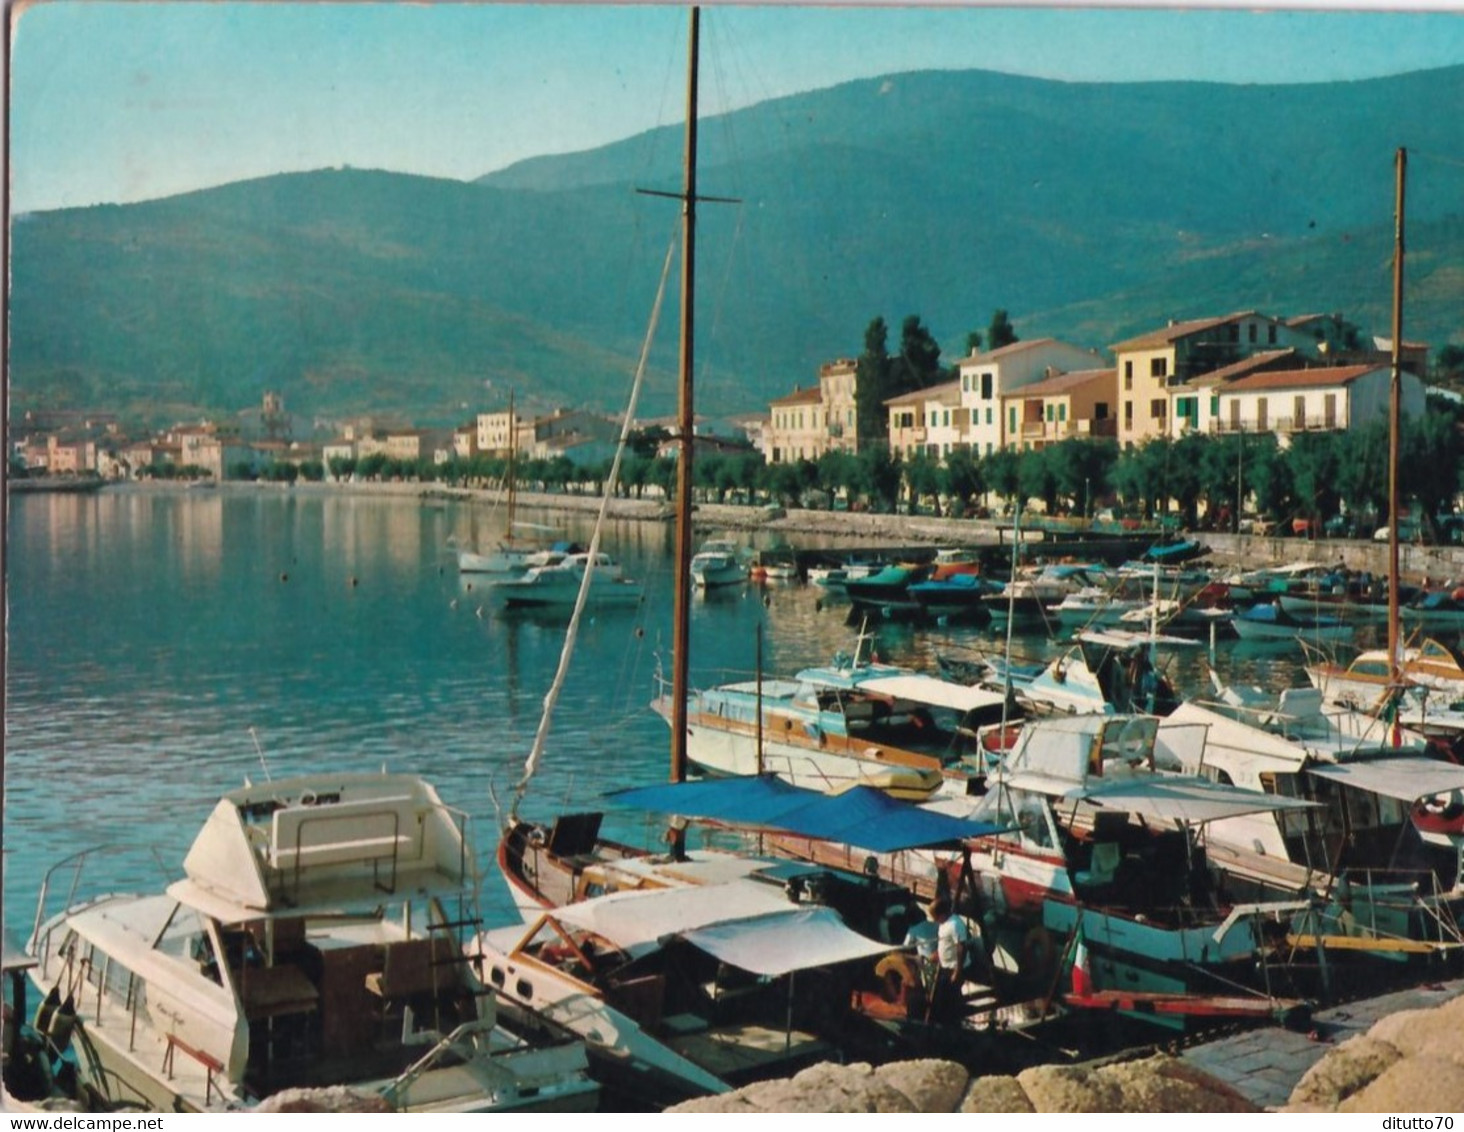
<point>1152,364</point>
<point>1065,405</point>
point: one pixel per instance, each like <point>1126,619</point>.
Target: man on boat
<point>922,938</point>
<point>952,953</point>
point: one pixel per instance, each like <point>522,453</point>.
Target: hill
<point>1088,211</point>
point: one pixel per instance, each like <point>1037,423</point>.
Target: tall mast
<point>512,470</point>
<point>681,630</point>
<point>1395,404</point>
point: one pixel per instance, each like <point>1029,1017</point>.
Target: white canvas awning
<point>794,940</point>
<point>635,920</point>
<point>930,690</point>
<point>1406,779</point>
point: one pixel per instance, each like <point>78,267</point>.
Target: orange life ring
<point>897,974</point>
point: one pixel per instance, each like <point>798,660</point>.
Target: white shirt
<point>922,937</point>
<point>951,939</point>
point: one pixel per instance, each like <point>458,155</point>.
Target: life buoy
<point>887,923</point>
<point>897,975</point>
<point>1039,954</point>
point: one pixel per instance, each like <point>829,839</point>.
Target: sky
<point>115,101</point>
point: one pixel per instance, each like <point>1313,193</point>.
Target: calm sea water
<point>165,645</point>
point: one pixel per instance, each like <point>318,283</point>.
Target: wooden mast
<point>512,469</point>
<point>681,629</point>
<point>1395,403</point>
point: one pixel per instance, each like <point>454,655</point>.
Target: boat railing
<point>74,866</point>
<point>1407,890</point>
<point>463,1042</point>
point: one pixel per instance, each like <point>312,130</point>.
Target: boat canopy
<point>861,816</point>
<point>788,941</point>
<point>748,923</point>
<point>933,691</point>
<point>1406,779</point>
<point>1184,800</point>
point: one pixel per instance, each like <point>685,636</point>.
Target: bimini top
<point>749,924</point>
<point>314,842</point>
<point>861,816</point>
<point>1406,778</point>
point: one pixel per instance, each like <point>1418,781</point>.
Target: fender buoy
<point>63,1024</point>
<point>45,1011</point>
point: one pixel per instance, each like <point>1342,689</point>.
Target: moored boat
<point>719,562</point>
<point>315,940</point>
<point>1266,621</point>
<point>557,584</point>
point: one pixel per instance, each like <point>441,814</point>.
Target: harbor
<point>367,647</point>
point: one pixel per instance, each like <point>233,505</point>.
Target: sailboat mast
<point>681,629</point>
<point>512,470</point>
<point>1395,406</point>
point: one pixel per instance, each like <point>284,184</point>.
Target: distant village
<point>1246,372</point>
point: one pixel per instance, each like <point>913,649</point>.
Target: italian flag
<point>1082,976</point>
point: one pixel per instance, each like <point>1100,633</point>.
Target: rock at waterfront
<point>1166,1084</point>
<point>820,1088</point>
<point>930,1085</point>
<point>1432,1083</point>
<point>1432,1032</point>
<point>1069,1088</point>
<point>1343,1072</point>
<point>997,1093</point>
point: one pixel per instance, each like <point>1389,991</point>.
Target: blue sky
<point>125,101</point>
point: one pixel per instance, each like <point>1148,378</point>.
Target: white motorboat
<point>719,562</point>
<point>852,722</point>
<point>1371,780</point>
<point>315,940</point>
<point>557,584</point>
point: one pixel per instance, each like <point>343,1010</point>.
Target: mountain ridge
<point>1088,211</point>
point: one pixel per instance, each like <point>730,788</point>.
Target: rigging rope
<point>551,697</point>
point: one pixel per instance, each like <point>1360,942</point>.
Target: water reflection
<point>156,637</point>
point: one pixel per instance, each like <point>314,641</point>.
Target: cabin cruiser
<point>314,940</point>
<point>1094,837</point>
<point>1101,843</point>
<point>719,562</point>
<point>557,584</point>
<point>853,721</point>
<point>1369,779</point>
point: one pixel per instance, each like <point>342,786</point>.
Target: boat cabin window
<point>186,936</point>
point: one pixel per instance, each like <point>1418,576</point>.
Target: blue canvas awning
<point>862,816</point>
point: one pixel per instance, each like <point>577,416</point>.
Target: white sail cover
<point>1406,779</point>
<point>794,940</point>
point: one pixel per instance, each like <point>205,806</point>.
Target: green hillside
<point>1087,211</point>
